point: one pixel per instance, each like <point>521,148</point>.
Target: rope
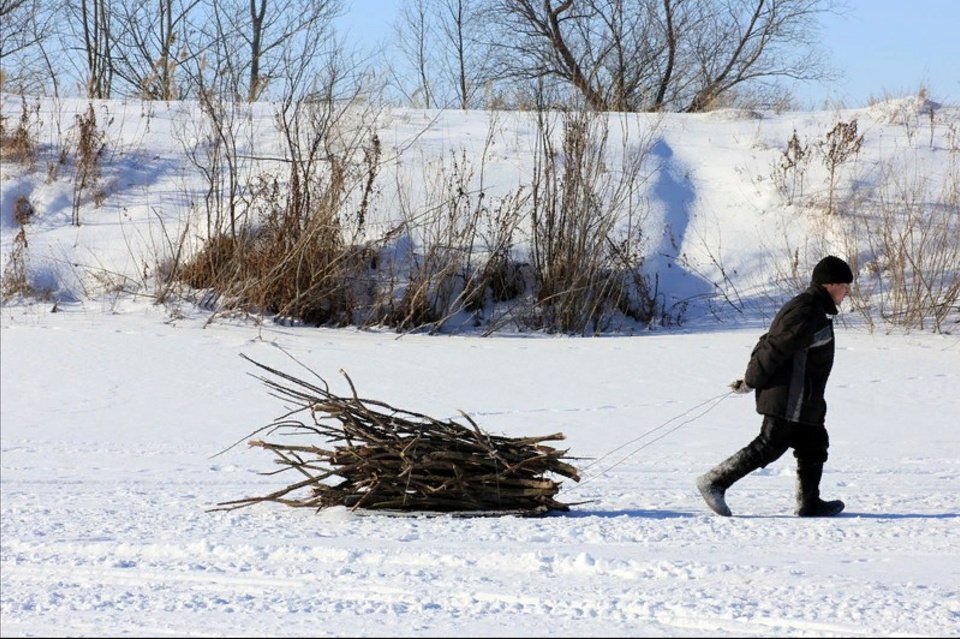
<point>713,403</point>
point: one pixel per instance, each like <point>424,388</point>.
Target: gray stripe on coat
<point>795,394</point>
<point>823,336</point>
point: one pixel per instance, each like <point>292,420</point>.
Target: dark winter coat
<point>790,364</point>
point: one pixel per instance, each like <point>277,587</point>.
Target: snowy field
<point>110,422</point>
<point>113,410</point>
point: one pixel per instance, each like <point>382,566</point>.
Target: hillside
<point>718,213</point>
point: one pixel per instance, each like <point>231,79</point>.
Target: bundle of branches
<point>393,459</point>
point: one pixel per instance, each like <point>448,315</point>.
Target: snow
<point>114,410</point>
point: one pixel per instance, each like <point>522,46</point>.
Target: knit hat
<point>831,270</point>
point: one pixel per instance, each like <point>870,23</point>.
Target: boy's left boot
<point>809,503</point>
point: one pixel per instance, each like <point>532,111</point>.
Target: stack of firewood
<point>376,456</point>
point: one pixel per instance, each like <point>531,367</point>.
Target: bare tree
<point>742,41</point>
<point>17,33</point>
<point>27,27</point>
<point>264,32</point>
<point>669,27</point>
<point>149,43</point>
<point>455,31</point>
<point>444,60</point>
<point>542,47</point>
<point>633,47</point>
<point>414,34</point>
<point>214,61</point>
<point>91,21</point>
<point>647,55</point>
<point>466,58</point>
<point>607,51</point>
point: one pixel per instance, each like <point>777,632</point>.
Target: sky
<point>891,46</point>
<point>881,48</point>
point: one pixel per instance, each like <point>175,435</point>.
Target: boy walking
<point>788,371</point>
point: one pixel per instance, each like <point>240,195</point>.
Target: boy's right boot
<point>714,484</point>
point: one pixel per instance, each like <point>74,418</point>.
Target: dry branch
<point>393,459</point>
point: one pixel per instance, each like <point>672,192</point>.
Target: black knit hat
<point>831,270</point>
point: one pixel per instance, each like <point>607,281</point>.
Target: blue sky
<point>891,46</point>
<point>881,47</point>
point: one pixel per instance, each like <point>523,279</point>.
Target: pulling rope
<point>713,403</point>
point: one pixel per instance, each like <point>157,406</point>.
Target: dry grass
<point>906,246</point>
<point>790,169</point>
<point>19,144</point>
<point>23,210</point>
<point>91,143</point>
<point>287,247</point>
<point>840,145</point>
<point>308,253</point>
<point>587,268</point>
<point>15,281</point>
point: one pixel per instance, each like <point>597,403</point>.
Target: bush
<point>587,268</point>
<point>15,280</point>
<point>91,142</point>
<point>20,144</point>
<point>906,246</point>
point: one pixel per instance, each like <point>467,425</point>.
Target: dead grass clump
<point>788,173</point>
<point>209,267</point>
<point>581,253</point>
<point>20,143</point>
<point>23,210</point>
<point>906,245</point>
<point>500,280</point>
<point>303,247</point>
<point>308,279</point>
<point>455,261</point>
<point>500,277</point>
<point>289,246</point>
<point>15,280</point>
<point>91,143</point>
<point>840,144</point>
<point>307,274</point>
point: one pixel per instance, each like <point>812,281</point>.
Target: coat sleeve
<point>791,332</point>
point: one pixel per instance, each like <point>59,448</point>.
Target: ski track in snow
<point>105,528</point>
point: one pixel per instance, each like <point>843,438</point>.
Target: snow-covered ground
<point>110,422</point>
<point>113,411</point>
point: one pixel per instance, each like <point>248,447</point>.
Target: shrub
<point>20,144</point>
<point>906,246</point>
<point>586,268</point>
<point>841,143</point>
<point>91,142</point>
<point>15,280</point>
<point>789,172</point>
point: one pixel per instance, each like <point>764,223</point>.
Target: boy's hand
<point>740,387</point>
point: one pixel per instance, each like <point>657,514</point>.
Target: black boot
<point>809,503</point>
<point>714,484</point>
